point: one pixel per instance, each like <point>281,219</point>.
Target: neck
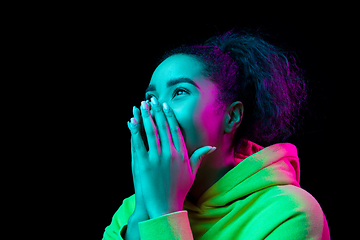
<point>212,168</point>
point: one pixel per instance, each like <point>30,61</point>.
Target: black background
<point>98,68</point>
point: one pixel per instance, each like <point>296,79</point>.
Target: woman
<point>203,170</point>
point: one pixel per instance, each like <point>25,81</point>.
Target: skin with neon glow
<point>191,97</point>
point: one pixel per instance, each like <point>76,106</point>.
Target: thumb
<point>198,155</point>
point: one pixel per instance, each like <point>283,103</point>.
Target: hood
<point>257,168</point>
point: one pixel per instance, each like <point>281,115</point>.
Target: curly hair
<point>263,77</point>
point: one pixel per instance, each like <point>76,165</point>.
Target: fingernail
<point>154,101</point>
<point>166,107</point>
<point>133,122</point>
<point>144,105</point>
<point>211,150</point>
<point>136,111</point>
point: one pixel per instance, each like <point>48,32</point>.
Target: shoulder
<point>294,207</point>
<point>296,198</point>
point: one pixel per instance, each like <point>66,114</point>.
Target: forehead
<point>177,66</point>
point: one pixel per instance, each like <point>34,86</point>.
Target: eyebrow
<point>173,82</point>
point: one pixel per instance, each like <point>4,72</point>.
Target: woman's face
<point>179,81</point>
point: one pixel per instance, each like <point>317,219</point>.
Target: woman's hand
<point>165,173</point>
<point>140,213</point>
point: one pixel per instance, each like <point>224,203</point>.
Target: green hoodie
<point>260,198</point>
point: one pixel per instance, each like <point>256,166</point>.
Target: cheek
<point>198,124</point>
<point>208,123</point>
<point>185,116</point>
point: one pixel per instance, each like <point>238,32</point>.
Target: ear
<point>233,116</point>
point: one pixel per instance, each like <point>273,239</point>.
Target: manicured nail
<point>136,112</point>
<point>211,150</point>
<point>154,101</point>
<point>133,122</point>
<point>144,105</point>
<point>166,107</point>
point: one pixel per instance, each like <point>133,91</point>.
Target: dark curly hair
<point>263,77</point>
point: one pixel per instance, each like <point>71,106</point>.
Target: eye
<point>179,92</point>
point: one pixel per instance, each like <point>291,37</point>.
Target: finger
<point>132,160</point>
<point>137,116</point>
<point>150,129</point>
<point>138,146</point>
<point>176,135</point>
<point>134,163</point>
<point>162,126</point>
<point>135,172</point>
<point>136,113</point>
<point>198,155</point>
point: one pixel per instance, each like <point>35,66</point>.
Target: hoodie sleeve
<point>171,226</point>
